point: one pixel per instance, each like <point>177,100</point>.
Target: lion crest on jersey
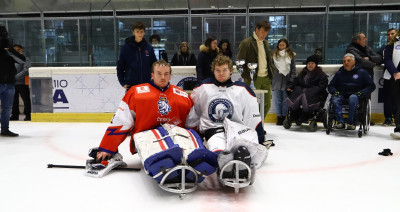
<point>218,109</point>
<point>163,106</point>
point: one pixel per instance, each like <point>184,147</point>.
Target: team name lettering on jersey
<point>143,89</point>
<point>163,106</point>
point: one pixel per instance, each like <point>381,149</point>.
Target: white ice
<point>305,171</point>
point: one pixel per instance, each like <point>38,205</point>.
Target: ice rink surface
<point>305,171</point>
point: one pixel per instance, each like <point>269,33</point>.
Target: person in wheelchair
<point>351,84</point>
<point>307,92</point>
<point>228,116</point>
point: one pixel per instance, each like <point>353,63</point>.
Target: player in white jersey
<point>228,116</point>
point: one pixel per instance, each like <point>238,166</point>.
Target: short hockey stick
<point>82,167</point>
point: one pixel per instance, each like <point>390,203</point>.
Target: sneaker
<point>8,133</point>
<point>339,126</point>
<point>350,127</point>
<point>387,122</point>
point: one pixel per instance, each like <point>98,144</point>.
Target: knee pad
<point>157,152</point>
<point>194,153</point>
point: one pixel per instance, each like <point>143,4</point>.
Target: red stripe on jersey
<point>193,139</point>
<point>160,141</point>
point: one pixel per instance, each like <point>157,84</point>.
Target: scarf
<point>282,62</point>
<point>262,57</point>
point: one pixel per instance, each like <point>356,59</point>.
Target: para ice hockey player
<point>154,113</point>
<point>227,113</point>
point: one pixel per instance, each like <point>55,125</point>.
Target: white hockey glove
<point>100,168</point>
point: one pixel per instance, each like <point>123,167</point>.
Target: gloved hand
<point>337,93</point>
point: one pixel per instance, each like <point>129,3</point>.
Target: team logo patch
<point>143,89</point>
<point>219,109</point>
<point>355,76</point>
<point>163,106</point>
<point>397,47</point>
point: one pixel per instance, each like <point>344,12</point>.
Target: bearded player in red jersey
<point>154,114</point>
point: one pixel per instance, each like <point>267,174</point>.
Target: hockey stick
<point>83,167</point>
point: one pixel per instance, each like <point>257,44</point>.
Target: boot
<point>279,121</point>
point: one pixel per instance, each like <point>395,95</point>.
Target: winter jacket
<point>182,59</point>
<point>280,81</point>
<point>135,62</point>
<point>248,51</point>
<point>204,60</point>
<point>389,63</point>
<point>314,88</point>
<point>360,52</point>
<point>7,65</point>
<point>351,82</point>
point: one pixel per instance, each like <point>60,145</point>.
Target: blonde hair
<point>222,60</point>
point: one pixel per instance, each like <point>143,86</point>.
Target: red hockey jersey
<point>145,107</point>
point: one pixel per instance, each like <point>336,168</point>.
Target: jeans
<point>281,107</point>
<point>337,102</point>
<point>6,98</point>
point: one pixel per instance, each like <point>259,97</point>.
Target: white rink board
<point>86,93</point>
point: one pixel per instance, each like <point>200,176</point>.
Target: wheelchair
<point>311,118</point>
<point>362,115</point>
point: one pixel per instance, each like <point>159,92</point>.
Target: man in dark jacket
<point>350,82</point>
<point>365,57</point>
<point>255,49</point>
<point>7,80</point>
<point>135,59</point>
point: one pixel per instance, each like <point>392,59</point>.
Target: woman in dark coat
<point>309,87</point>
<point>208,51</point>
<point>184,57</point>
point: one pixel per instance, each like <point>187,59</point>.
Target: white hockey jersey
<point>214,101</point>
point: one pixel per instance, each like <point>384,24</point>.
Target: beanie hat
<point>313,58</point>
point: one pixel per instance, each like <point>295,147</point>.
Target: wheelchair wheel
<point>287,124</point>
<point>313,126</point>
<point>367,116</point>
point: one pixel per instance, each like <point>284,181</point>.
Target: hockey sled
<point>235,180</point>
<point>180,185</point>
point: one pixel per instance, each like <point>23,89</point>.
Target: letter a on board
<point>59,96</point>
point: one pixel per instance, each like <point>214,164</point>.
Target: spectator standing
<point>255,49</point>
<point>392,64</point>
<point>21,87</point>
<point>365,57</point>
<point>7,80</point>
<point>183,57</point>
<point>225,48</point>
<point>208,51</point>
<point>135,59</point>
<point>284,72</point>
<point>388,104</point>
